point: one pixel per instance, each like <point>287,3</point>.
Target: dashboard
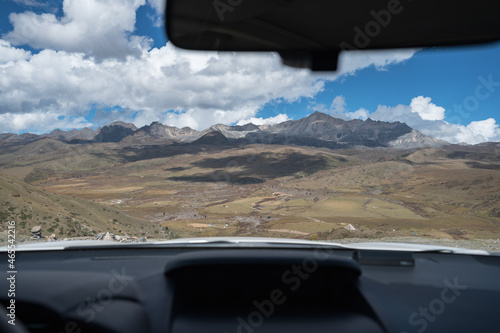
<point>252,289</point>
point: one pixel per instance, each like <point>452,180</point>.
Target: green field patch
<point>270,208</point>
<point>282,207</point>
<point>298,203</point>
<point>391,210</point>
<point>164,204</point>
<point>351,206</point>
<point>114,190</point>
<point>204,228</point>
<point>237,207</point>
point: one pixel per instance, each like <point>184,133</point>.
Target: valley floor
<point>292,192</point>
<point>280,191</point>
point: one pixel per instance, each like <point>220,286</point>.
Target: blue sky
<point>58,73</point>
<point>450,76</point>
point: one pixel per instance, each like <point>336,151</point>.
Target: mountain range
<point>317,129</point>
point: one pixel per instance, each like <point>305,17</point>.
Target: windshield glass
<point>109,132</point>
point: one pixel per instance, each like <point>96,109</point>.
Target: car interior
<point>257,285</point>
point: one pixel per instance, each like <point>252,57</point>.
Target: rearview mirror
<point>311,33</point>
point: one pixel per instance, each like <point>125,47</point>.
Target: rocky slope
<point>317,129</point>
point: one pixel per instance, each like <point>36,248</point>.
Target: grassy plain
<point>256,190</point>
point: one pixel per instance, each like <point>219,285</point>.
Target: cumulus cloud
<point>9,53</point>
<point>434,125</point>
<point>338,105</point>
<point>422,115</point>
<point>479,131</point>
<point>351,62</point>
<point>205,88</point>
<point>425,109</point>
<point>338,109</point>
<point>265,121</point>
<point>159,7</point>
<point>38,122</point>
<point>99,28</point>
<point>85,63</point>
<point>360,114</point>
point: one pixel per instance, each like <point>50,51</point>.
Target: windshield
<point>108,132</point>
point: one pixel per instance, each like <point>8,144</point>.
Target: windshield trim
<point>242,242</point>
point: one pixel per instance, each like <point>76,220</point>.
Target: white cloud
<point>38,122</point>
<point>338,109</point>
<point>158,18</point>
<point>473,133</point>
<point>338,105</point>
<point>479,131</point>
<point>158,5</point>
<point>99,28</point>
<point>77,69</point>
<point>425,109</point>
<point>352,61</point>
<point>9,53</point>
<point>401,113</point>
<point>360,114</point>
<point>207,87</point>
<point>265,121</point>
<point>421,115</point>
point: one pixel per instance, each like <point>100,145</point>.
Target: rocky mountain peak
<point>318,129</point>
<point>122,124</point>
<point>213,138</point>
<point>114,132</point>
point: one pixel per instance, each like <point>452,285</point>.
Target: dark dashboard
<point>253,289</point>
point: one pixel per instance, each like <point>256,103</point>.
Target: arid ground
<point>256,190</point>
